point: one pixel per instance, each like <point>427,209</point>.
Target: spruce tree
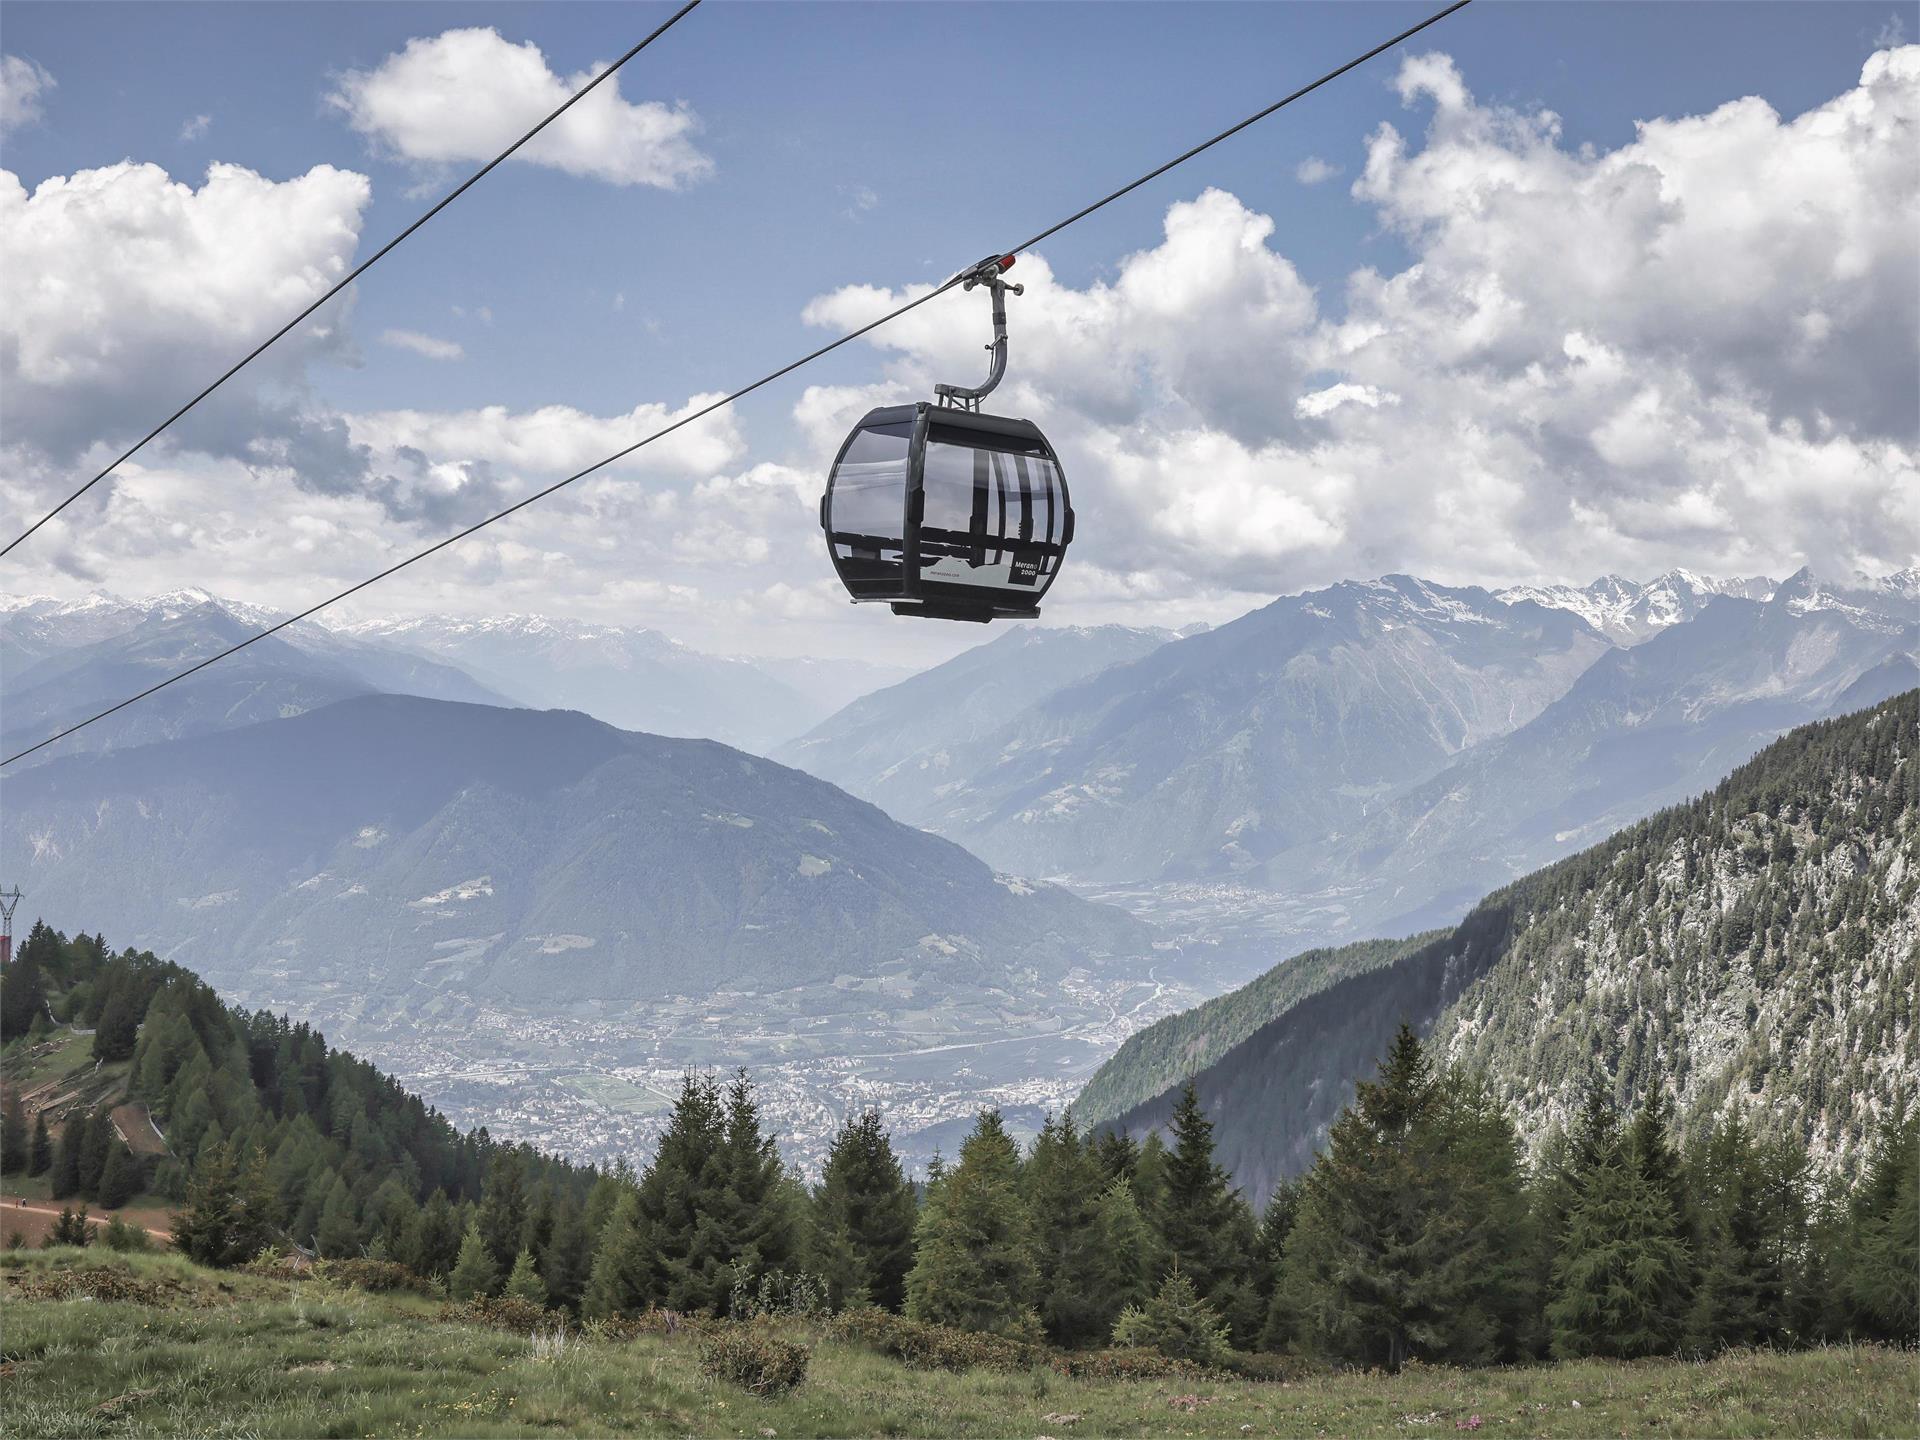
<point>474,1273</point>
<point>681,1202</point>
<point>211,1228</point>
<point>120,1180</point>
<point>70,1227</point>
<point>40,1152</point>
<point>337,1236</point>
<point>1205,1225</point>
<point>524,1283</point>
<point>1877,1292</point>
<point>973,1249</point>
<point>1123,1260</point>
<point>864,1214</point>
<point>567,1260</point>
<point>752,1207</point>
<point>14,1142</point>
<point>1741,1290</point>
<point>66,1164</point>
<point>23,998</point>
<point>621,1280</point>
<point>503,1207</point>
<point>1270,1253</point>
<point>1117,1154</point>
<point>433,1242</point>
<point>1177,1323</point>
<point>95,1141</point>
<point>1401,1245</point>
<point>1619,1278</point>
<point>1061,1184</point>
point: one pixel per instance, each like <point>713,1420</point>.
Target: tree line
<point>1420,1231</point>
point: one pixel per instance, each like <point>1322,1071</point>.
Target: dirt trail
<point>15,1206</point>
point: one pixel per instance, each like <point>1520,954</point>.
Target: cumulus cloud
<point>441,466</point>
<point>120,287</point>
<point>23,86</point>
<point>1313,170</point>
<point>1698,348</point>
<point>430,346</point>
<point>467,94</point>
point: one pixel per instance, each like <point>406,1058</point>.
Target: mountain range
<point>1380,753</point>
<point>1753,950</point>
<point>478,891</point>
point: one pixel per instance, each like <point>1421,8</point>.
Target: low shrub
<point>753,1357</point>
<point>504,1312</point>
<point>932,1347</point>
<point>1123,1365</point>
<point>377,1275</point>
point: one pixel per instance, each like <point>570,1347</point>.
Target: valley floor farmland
<point>192,1351</point>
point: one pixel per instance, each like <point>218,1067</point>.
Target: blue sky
<point>853,144</point>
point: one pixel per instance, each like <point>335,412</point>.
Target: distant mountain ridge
<point>1754,949</point>
<point>898,746</point>
<point>1628,611</point>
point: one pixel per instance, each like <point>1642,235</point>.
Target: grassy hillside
<point>165,1348</point>
<point>1166,1052</point>
<point>1754,949</point>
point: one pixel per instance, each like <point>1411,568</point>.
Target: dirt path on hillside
<point>47,1214</point>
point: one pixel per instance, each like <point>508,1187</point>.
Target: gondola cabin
<point>947,513</point>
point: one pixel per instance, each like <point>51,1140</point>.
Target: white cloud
<point>121,287</point>
<point>196,128</point>
<point>1313,170</point>
<point>1698,348</point>
<point>23,85</point>
<point>467,94</point>
<point>428,345</point>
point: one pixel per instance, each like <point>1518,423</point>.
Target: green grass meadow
<point>229,1354</point>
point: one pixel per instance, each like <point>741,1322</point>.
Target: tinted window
<point>870,483</point>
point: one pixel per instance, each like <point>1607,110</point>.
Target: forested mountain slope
<point>1165,1053</point>
<point>1755,948</point>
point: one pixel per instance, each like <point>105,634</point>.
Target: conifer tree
<point>14,1143</point>
<point>474,1273</point>
<point>70,1227</point>
<point>524,1283</point>
<point>66,1164</point>
<point>1619,1277</point>
<point>503,1207</point>
<point>40,1152</point>
<point>1177,1323</point>
<point>23,998</point>
<point>864,1214</point>
<point>567,1261</point>
<point>433,1242</point>
<point>973,1249</point>
<point>95,1141</point>
<point>1398,1247</point>
<point>1123,1259</point>
<point>751,1207</point>
<point>121,1178</point>
<point>337,1236</point>
<point>1061,1183</point>
<point>1741,1290</point>
<point>1117,1154</point>
<point>1270,1252</point>
<point>1205,1224</point>
<point>119,1024</point>
<point>1876,1277</point>
<point>211,1228</point>
<point>622,1277</point>
<point>681,1204</point>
